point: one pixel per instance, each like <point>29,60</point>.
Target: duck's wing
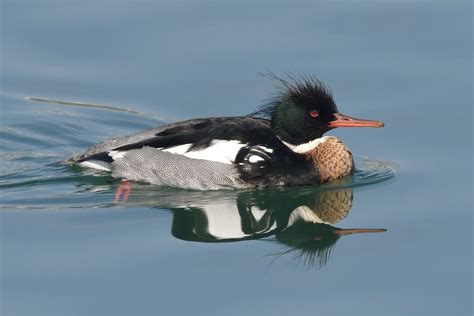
<point>247,143</point>
<point>214,139</point>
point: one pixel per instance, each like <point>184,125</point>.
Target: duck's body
<point>286,149</point>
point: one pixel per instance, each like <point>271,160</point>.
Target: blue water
<point>68,249</point>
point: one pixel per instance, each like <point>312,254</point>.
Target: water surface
<point>68,249</point>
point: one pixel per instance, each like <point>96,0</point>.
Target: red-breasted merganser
<point>281,144</point>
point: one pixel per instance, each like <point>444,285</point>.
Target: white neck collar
<point>306,147</point>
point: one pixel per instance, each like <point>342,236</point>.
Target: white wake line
<point>88,105</point>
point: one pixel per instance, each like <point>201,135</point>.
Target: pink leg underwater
<point>124,189</point>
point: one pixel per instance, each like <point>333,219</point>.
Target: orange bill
<point>347,121</point>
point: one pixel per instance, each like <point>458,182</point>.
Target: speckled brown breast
<point>332,158</point>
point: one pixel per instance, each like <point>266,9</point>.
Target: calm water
<point>67,249</point>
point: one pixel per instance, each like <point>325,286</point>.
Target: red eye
<point>314,113</point>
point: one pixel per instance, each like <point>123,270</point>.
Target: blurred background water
<point>67,249</point>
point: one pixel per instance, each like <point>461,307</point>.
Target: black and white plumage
<point>229,152</point>
<point>211,153</point>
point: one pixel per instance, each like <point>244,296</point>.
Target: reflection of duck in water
<point>303,222</point>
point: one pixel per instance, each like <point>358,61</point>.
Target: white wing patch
<point>258,153</point>
<point>115,154</point>
<point>255,158</point>
<point>91,164</point>
<point>219,150</point>
<point>180,150</point>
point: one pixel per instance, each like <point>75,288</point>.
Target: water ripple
<point>36,138</point>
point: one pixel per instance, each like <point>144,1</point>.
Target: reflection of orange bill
<point>342,232</point>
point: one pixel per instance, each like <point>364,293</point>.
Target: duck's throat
<point>330,156</point>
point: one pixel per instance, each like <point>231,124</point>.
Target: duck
<point>282,143</point>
